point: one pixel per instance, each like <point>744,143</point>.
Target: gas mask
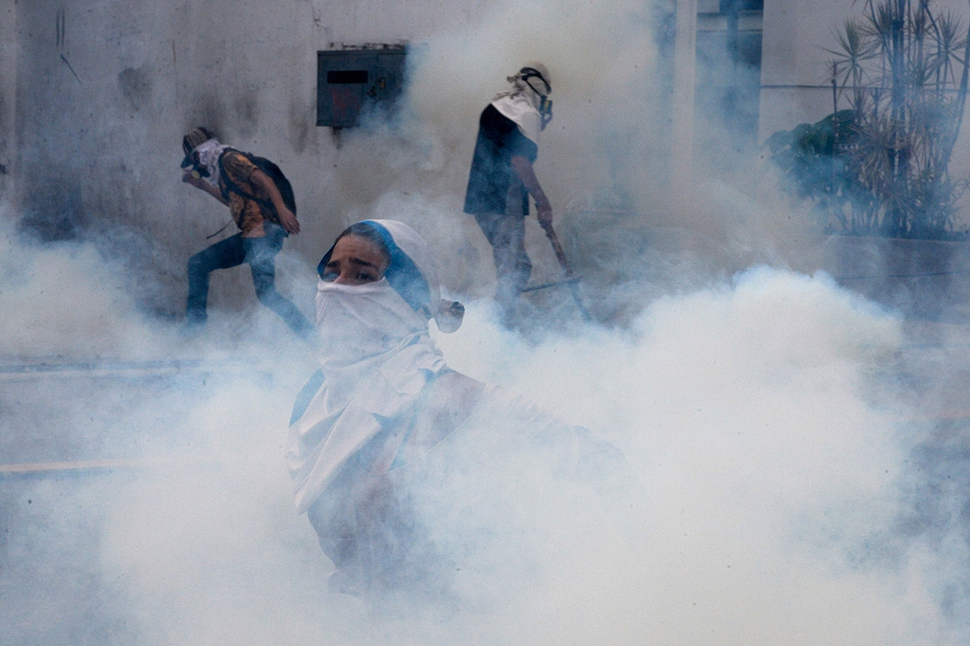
<point>545,103</point>
<point>198,171</point>
<point>204,161</point>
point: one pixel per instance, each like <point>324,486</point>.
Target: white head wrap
<point>209,153</point>
<point>407,240</point>
<point>376,356</point>
<point>521,103</point>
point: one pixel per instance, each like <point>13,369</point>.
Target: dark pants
<point>506,234</point>
<point>260,254</point>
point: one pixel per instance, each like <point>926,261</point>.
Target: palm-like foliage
<point>899,76</point>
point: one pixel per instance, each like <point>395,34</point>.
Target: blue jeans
<point>260,254</point>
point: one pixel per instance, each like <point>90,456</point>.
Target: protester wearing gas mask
<point>502,177</point>
<point>378,432</point>
<point>261,203</point>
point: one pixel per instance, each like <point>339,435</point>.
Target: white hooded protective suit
<point>376,357</point>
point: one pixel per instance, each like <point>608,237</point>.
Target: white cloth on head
<point>411,243</point>
<point>523,111</point>
<point>521,106</point>
<point>209,153</point>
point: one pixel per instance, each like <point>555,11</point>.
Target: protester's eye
<point>330,274</point>
<point>366,277</point>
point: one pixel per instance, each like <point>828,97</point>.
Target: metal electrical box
<point>349,80</point>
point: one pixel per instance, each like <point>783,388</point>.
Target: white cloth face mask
<point>360,322</point>
<point>209,153</point>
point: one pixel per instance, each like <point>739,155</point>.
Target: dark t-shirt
<point>499,140</point>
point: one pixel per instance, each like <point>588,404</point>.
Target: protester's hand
<point>288,221</point>
<point>189,178</point>
<point>545,215</point>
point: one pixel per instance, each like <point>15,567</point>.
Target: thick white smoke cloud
<point>759,412</point>
<point>770,452</point>
<point>63,300</point>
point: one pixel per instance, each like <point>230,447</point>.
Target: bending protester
<point>263,209</point>
<point>379,432</point>
<point>502,177</point>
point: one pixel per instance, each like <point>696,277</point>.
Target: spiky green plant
<point>899,76</point>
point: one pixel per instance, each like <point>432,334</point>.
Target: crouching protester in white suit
<point>381,423</point>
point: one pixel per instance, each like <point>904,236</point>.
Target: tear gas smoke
<point>760,416</point>
<point>788,495</point>
<point>64,299</point>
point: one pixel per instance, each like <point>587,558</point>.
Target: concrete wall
<point>96,94</point>
<point>106,88</point>
<point>794,69</point>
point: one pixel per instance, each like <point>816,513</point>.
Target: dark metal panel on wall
<point>348,81</point>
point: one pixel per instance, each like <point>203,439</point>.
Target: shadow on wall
<point>136,86</point>
<point>53,209</point>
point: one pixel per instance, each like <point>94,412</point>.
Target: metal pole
<point>9,55</point>
<point>685,64</point>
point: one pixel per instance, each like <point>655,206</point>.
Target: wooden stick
<point>561,257</point>
<point>535,288</point>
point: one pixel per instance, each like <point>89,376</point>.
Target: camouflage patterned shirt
<point>246,211</point>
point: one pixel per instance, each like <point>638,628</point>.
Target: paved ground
<point>49,561</point>
<point>60,442</point>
